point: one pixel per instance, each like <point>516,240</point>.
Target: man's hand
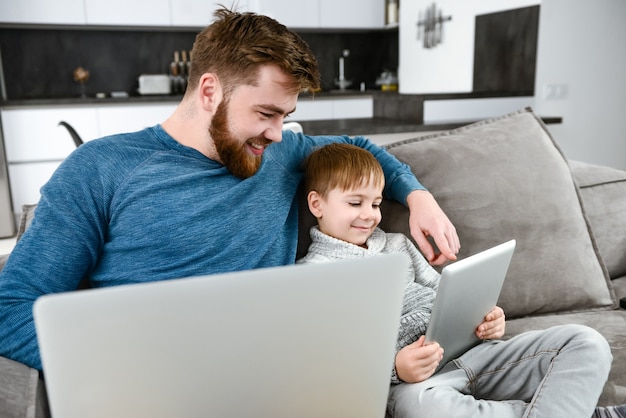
<point>427,219</point>
<point>493,326</point>
<point>417,362</point>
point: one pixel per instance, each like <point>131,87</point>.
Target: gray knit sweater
<point>421,279</point>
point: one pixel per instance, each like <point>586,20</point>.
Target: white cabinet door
<point>352,14</point>
<point>351,108</point>
<point>132,117</point>
<point>69,12</point>
<point>26,181</point>
<point>34,134</point>
<point>293,14</point>
<point>198,13</point>
<point>327,109</point>
<point>312,110</point>
<point>128,12</point>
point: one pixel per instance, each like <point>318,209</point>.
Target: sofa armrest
<point>603,191</point>
<point>22,391</point>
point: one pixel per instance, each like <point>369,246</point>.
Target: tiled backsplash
<point>39,63</point>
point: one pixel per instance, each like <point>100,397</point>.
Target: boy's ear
<point>313,199</point>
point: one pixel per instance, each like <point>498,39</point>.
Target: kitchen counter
<point>396,105</point>
<point>156,98</point>
<point>371,126</point>
<point>78,101</point>
<point>332,94</point>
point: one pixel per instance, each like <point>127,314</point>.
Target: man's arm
<point>426,218</point>
<point>52,256</point>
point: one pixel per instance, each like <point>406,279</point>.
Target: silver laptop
<point>468,290</point>
<point>312,340</point>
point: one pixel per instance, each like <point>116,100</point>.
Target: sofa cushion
<point>503,179</point>
<point>603,190</point>
<point>22,391</point>
<point>28,213</point>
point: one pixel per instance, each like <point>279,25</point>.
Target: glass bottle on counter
<point>392,12</point>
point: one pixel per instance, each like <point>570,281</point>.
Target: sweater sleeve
<point>54,254</point>
<point>419,295</point>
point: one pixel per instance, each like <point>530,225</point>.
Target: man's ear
<point>314,199</point>
<point>209,91</point>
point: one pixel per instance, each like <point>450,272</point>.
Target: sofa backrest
<point>501,179</point>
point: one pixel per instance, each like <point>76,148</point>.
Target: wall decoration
<point>505,51</point>
<point>430,26</point>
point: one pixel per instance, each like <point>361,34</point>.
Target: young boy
<point>558,372</point>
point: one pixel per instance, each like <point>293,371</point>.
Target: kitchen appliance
<point>154,84</point>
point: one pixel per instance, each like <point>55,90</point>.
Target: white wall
<point>581,47</point>
<point>581,58</point>
<point>447,68</point>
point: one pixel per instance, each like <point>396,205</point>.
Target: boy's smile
<point>350,215</point>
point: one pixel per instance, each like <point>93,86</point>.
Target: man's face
<point>245,123</point>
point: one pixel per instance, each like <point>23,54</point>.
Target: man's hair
<point>341,166</point>
<point>236,45</point>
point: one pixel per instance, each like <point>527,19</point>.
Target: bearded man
<point>212,189</point>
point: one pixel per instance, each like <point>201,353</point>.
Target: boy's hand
<point>493,325</point>
<point>427,219</point>
<point>417,362</point>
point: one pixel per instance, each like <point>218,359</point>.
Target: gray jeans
<point>558,372</point>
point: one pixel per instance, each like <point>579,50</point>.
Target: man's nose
<point>275,131</point>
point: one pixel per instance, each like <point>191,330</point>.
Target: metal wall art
<point>430,26</point>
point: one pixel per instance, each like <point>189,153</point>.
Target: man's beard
<point>231,151</point>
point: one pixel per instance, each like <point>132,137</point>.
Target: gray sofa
<point>497,179</point>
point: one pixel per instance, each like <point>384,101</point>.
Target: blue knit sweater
<point>141,207</point>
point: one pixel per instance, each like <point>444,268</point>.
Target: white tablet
<point>468,290</point>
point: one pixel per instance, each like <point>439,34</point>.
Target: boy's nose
<point>367,212</point>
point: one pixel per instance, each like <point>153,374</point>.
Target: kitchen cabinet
<point>301,15</point>
<point>132,117</point>
<point>314,14</point>
<point>352,14</point>
<point>127,12</point>
<point>63,12</point>
<point>36,145</point>
<point>131,13</point>
<point>26,180</point>
<point>324,14</point>
<point>198,13</point>
<point>352,107</point>
<point>34,134</point>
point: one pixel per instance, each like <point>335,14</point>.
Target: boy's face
<point>348,215</point>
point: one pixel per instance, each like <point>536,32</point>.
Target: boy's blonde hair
<point>342,166</point>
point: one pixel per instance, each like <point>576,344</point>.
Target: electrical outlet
<point>555,91</point>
